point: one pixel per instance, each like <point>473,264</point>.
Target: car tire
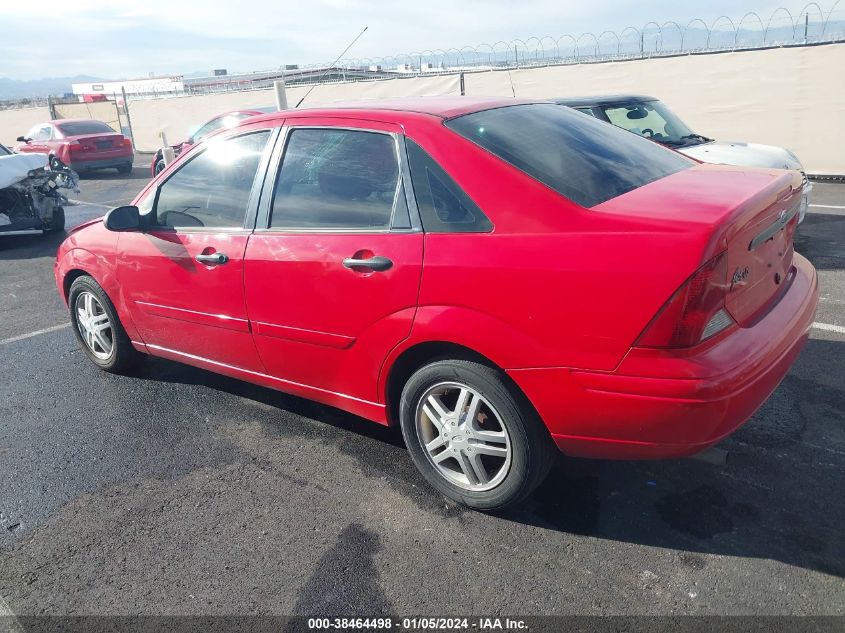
<point>125,169</point>
<point>57,224</point>
<point>514,462</point>
<point>87,299</point>
<point>159,166</point>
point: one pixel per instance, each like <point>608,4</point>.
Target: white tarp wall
<point>794,97</point>
<point>177,115</point>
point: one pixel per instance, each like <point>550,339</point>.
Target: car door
<point>332,271</point>
<point>40,136</point>
<point>182,277</point>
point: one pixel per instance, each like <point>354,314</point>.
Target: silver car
<point>651,118</point>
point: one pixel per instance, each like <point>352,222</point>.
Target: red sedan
<point>82,144</point>
<point>497,277</point>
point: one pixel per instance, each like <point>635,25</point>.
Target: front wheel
<point>98,329</point>
<point>470,436</point>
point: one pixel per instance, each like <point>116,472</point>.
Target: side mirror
<point>23,139</point>
<point>126,218</point>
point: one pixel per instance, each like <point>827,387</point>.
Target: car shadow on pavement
<point>30,246</point>
<point>819,239</point>
<point>138,173</point>
<point>779,497</point>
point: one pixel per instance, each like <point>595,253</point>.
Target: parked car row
<point>502,279</point>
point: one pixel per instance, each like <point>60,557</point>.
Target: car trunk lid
<point>750,214</point>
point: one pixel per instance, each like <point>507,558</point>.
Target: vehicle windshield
<point>653,120</point>
<point>4,151</point>
<point>582,158</point>
<point>77,128</point>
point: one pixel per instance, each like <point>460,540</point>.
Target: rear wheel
<point>159,166</point>
<point>125,169</point>
<point>471,437</point>
<point>98,329</point>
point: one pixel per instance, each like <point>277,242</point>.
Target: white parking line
<point>46,330</point>
<point>827,206</point>
<point>828,327</point>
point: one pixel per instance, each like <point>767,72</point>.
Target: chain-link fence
<point>812,24</point>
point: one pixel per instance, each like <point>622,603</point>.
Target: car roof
<point>392,109</point>
<point>603,100</point>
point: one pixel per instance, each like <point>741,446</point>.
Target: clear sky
<point>107,38</point>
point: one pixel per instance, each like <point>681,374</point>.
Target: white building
<point>150,86</point>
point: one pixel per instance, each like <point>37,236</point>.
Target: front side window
<point>40,133</point>
<point>212,189</point>
<point>581,158</point>
<point>4,151</point>
<point>337,179</point>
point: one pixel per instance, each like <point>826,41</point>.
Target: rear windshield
<point>84,127</point>
<point>584,159</point>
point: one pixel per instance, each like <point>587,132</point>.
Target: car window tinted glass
<point>444,206</point>
<point>651,119</point>
<point>85,127</point>
<point>4,151</point>
<point>212,189</point>
<point>336,179</point>
<point>584,159</point>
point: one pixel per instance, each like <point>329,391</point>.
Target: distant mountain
<point>19,89</point>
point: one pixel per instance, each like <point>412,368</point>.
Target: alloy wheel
<point>463,436</point>
<point>94,325</point>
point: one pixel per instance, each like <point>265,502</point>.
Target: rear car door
<point>332,271</point>
<point>182,277</point>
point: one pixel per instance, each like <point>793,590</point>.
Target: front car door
<point>332,271</point>
<point>182,277</point>
<point>40,136</point>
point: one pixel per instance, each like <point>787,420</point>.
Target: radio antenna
<point>325,72</point>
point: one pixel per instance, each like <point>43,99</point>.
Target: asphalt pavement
<point>178,491</point>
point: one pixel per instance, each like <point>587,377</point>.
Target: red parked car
<point>221,122</point>
<point>497,277</point>
<point>82,144</point>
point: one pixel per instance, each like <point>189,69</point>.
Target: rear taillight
<point>127,142</point>
<point>695,312</point>
<point>74,146</point>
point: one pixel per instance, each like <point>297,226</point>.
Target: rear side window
<point>444,206</point>
<point>85,127</point>
<point>337,179</point>
<point>584,159</point>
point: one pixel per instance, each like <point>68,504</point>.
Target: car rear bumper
<point>80,164</point>
<point>661,403</point>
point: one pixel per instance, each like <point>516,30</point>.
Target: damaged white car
<point>32,193</point>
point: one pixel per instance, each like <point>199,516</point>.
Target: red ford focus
<point>499,278</point>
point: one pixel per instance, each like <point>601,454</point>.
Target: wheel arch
<point>425,352</point>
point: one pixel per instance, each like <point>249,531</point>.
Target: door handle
<point>212,259</point>
<point>377,263</point>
